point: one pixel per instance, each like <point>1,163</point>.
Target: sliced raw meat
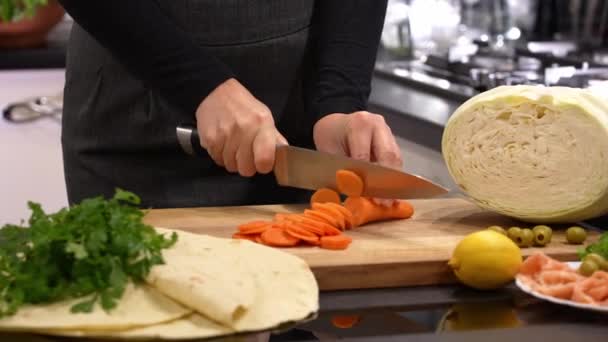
<point>592,290</point>
<point>539,261</point>
<point>556,279</point>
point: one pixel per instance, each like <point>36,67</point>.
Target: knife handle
<point>189,140</point>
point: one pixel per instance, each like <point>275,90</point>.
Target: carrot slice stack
<point>278,237</point>
<point>333,212</point>
<point>348,216</point>
<point>255,227</point>
<point>325,221</point>
<point>321,216</point>
<point>312,227</point>
<point>336,242</point>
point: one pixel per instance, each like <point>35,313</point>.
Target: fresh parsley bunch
<point>90,250</point>
<point>600,247</point>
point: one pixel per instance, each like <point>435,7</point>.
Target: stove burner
<point>486,70</point>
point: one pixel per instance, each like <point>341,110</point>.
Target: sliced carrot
<point>324,207</point>
<point>317,230</point>
<point>345,322</point>
<point>349,183</point>
<point>325,195</point>
<point>279,217</point>
<point>301,234</point>
<point>254,229</point>
<point>365,211</point>
<point>336,241</point>
<point>244,237</point>
<point>331,231</point>
<point>326,228</point>
<point>348,216</point>
<point>305,219</point>
<point>319,215</point>
<point>297,228</point>
<point>258,239</point>
<point>315,243</point>
<point>278,237</point>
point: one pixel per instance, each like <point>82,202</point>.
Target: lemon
<point>479,316</point>
<point>485,260</point>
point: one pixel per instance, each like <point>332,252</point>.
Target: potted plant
<point>26,23</point>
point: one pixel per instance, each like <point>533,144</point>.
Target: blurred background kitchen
<point>435,54</point>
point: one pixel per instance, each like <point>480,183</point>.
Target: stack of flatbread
<point>208,287</point>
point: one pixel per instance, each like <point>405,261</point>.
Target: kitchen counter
<point>32,170</point>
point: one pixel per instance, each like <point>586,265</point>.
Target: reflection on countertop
<point>441,313</point>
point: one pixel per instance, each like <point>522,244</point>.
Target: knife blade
<point>309,169</point>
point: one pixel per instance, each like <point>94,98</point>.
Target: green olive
<point>526,239</point>
<point>514,233</point>
<point>598,259</point>
<point>576,235</point>
<point>588,267</point>
<point>542,235</point>
<point>498,229</point>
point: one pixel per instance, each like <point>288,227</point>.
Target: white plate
<point>529,291</point>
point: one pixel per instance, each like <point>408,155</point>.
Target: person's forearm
<point>152,47</point>
<point>346,43</point>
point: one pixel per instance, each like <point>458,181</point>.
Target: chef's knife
<point>311,170</point>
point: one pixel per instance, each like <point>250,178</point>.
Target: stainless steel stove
<point>545,63</point>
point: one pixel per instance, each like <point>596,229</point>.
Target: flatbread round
<point>277,287</point>
<point>205,274</point>
<point>190,327</point>
<point>140,306</point>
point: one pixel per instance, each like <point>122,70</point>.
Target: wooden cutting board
<point>389,254</point>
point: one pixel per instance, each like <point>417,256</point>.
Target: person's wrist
<point>328,130</point>
<point>216,93</point>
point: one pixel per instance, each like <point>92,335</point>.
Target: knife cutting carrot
<point>324,223</point>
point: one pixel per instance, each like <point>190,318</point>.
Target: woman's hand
<point>361,135</point>
<point>237,130</point>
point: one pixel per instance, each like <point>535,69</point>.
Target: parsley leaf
<point>600,247</point>
<point>90,251</point>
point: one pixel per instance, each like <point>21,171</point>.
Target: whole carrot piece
<point>365,211</point>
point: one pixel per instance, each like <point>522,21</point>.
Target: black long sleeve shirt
<point>166,58</point>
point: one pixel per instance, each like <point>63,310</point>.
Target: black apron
<point>119,133</point>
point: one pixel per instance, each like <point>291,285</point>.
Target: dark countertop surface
<point>450,313</point>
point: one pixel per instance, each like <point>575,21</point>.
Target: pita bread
<point>202,271</point>
<point>139,306</point>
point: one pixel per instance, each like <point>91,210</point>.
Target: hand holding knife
<point>311,170</point>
